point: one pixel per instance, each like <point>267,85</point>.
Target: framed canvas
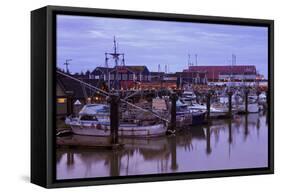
<point>126,96</point>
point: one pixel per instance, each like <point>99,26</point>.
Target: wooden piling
<point>208,104</point>
<point>173,143</point>
<point>246,132</point>
<point>258,95</point>
<point>246,100</point>
<point>208,140</point>
<point>114,100</point>
<point>230,138</point>
<point>173,98</point>
<point>230,93</point>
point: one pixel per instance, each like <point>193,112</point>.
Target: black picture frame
<point>43,60</point>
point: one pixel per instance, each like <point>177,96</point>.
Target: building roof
<point>157,73</point>
<point>138,69</point>
<point>75,88</point>
<point>103,69</point>
<point>132,68</point>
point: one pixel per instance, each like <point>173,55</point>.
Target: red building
<point>219,73</point>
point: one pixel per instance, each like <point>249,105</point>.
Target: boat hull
<point>96,129</point>
<point>198,118</point>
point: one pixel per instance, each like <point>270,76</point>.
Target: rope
<point>108,94</point>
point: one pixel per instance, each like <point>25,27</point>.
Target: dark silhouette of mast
<point>115,55</point>
<point>66,63</point>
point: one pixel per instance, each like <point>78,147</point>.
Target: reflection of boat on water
<point>253,106</point>
<point>136,151</point>
<point>94,120</point>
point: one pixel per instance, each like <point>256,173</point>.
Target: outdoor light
<point>61,100</point>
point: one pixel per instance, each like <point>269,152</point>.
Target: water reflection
<point>225,144</point>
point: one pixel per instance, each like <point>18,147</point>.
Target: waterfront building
<point>227,72</point>
<point>69,91</point>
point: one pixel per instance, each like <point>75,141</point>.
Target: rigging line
<point>89,85</point>
<point>108,94</point>
<point>84,91</point>
<point>92,89</point>
<point>133,94</point>
<point>145,110</point>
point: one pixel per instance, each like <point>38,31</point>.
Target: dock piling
<point>208,140</point>
<point>208,104</point>
<point>230,93</point>
<point>114,100</point>
<point>246,100</point>
<point>173,98</point>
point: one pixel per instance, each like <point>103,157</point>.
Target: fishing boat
<point>94,120</point>
<point>216,109</point>
<point>195,117</point>
<point>188,95</point>
<point>262,98</point>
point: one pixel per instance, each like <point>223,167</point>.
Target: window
<point>124,77</point>
<point>61,100</point>
<point>145,78</point>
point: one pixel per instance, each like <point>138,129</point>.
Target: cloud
<point>85,39</point>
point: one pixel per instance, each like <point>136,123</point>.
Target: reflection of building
<point>225,73</point>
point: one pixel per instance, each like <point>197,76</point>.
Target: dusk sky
<point>145,42</point>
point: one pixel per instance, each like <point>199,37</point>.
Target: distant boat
<point>188,95</point>
<point>195,117</point>
<point>94,120</point>
<point>262,98</point>
<point>216,110</point>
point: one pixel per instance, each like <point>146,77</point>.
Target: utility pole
<point>188,60</point>
<point>66,63</point>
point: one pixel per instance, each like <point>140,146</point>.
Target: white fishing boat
<point>220,110</point>
<point>262,98</point>
<point>216,109</point>
<point>94,120</point>
<point>188,95</point>
<point>190,116</point>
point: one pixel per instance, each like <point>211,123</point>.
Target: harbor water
<point>239,143</point>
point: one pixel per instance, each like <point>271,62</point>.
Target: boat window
<point>88,118</point>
